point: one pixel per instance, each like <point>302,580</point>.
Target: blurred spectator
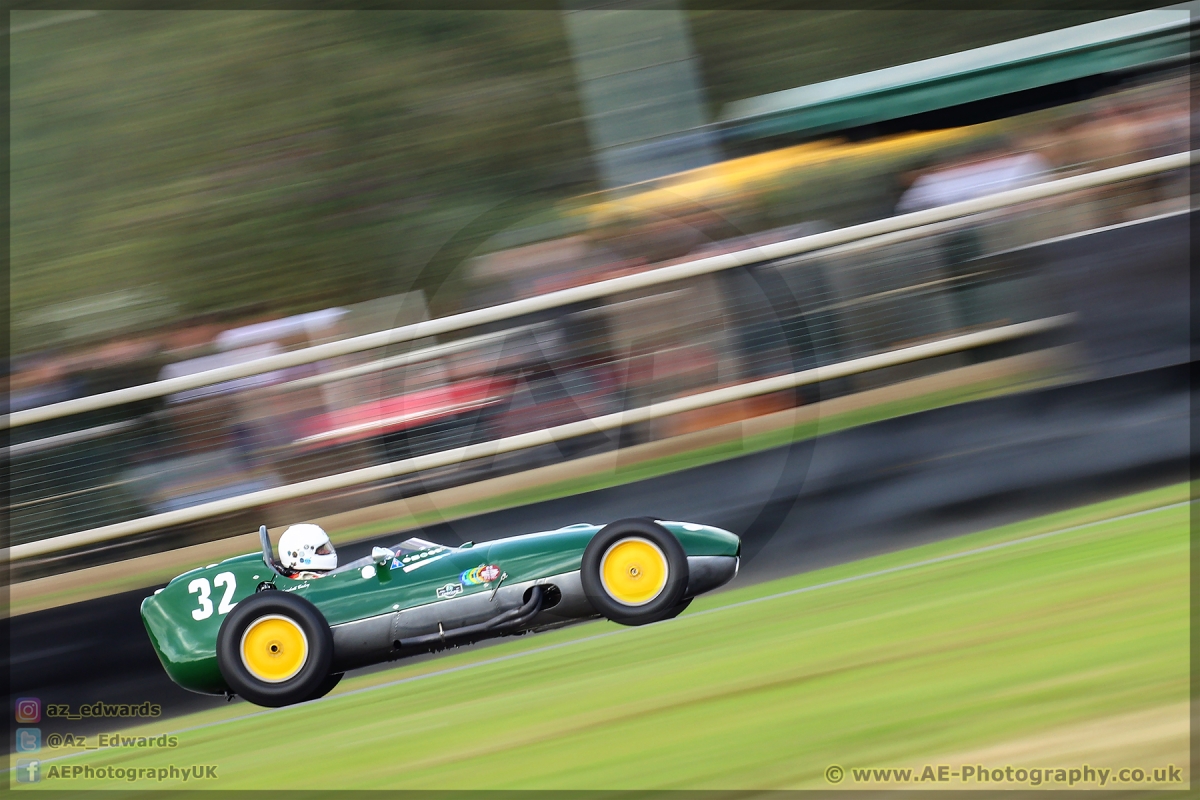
<point>1137,123</point>
<point>303,327</point>
<point>990,172</point>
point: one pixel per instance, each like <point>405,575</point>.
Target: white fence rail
<point>523,441</point>
<point>593,291</point>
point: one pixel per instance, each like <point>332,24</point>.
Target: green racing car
<point>278,631</point>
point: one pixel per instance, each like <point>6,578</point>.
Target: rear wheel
<point>326,686</point>
<point>679,609</point>
<point>274,649</point>
<point>635,571</point>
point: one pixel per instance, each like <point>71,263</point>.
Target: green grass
<point>882,670</point>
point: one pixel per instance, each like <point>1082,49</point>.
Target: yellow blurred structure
<point>739,178</point>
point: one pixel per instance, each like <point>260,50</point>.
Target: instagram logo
<point>29,709</point>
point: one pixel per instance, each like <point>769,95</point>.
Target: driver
<point>306,552</point>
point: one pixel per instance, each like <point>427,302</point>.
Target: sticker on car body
<point>449,590</point>
<point>484,573</point>
<point>418,560</point>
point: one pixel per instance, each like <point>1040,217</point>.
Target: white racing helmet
<point>306,547</point>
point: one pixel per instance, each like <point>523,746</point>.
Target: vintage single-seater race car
<point>244,627</point>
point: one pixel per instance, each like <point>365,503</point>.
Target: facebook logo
<point>28,770</point>
<point>29,740</point>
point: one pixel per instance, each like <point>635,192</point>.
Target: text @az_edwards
<point>979,774</point>
<point>103,740</point>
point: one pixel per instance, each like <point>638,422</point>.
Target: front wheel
<point>635,572</point>
<point>274,649</point>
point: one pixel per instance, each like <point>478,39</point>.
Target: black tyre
<point>274,649</point>
<point>635,572</point>
<point>326,686</point>
<point>679,609</point>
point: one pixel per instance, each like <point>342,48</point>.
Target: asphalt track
<point>880,487</point>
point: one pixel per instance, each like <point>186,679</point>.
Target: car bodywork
<point>378,611</point>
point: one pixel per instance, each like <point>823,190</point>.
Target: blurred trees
<point>294,159</point>
<point>285,161</point>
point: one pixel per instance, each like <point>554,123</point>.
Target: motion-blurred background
<point>199,191</point>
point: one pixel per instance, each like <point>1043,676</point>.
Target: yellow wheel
<point>274,648</point>
<point>634,571</point>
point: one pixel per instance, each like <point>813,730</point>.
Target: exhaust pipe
<point>499,625</point>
